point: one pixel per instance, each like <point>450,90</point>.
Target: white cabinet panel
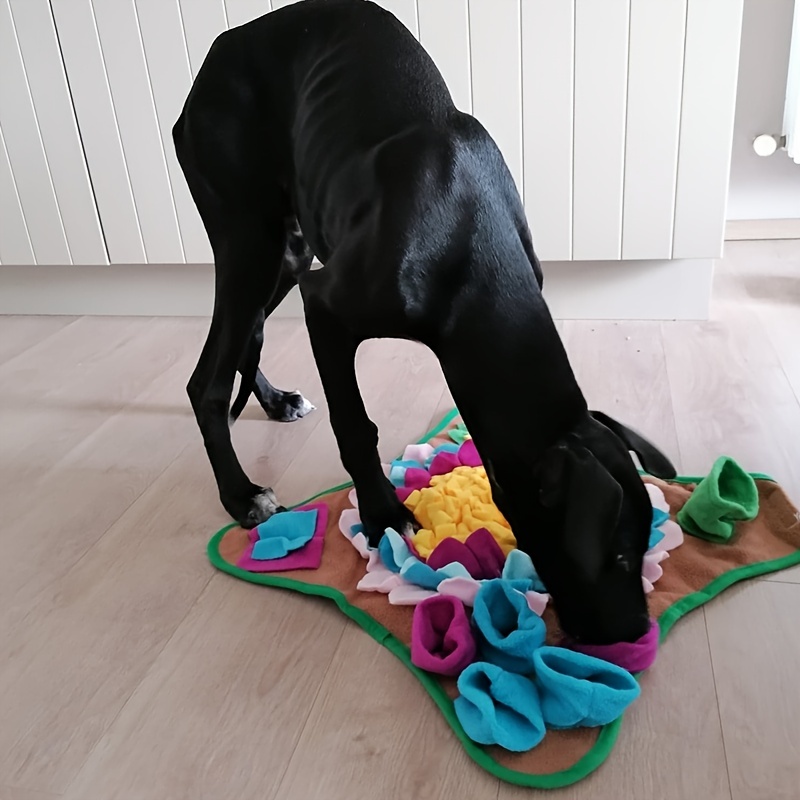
<point>203,21</point>
<point>444,33</point>
<point>405,11</point>
<point>497,75</point>
<point>655,78</point>
<point>601,77</point>
<point>242,11</point>
<point>86,74</point>
<point>171,79</point>
<point>710,72</point>
<point>15,244</point>
<point>26,151</point>
<point>548,55</point>
<point>123,54</point>
<point>615,118</point>
<point>59,129</point>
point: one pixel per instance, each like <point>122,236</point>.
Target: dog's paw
<point>288,407</point>
<point>398,517</point>
<point>258,508</point>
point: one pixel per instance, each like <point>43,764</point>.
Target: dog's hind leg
<point>247,264</point>
<point>243,208</point>
<point>278,404</point>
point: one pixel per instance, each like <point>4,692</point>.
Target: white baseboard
<point>574,290</point>
<point>659,290</point>
<point>737,230</point>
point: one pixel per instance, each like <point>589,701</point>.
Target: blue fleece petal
<point>420,574</point>
<point>499,707</point>
<point>508,631</point>
<point>519,566</point>
<point>393,550</point>
<point>659,518</point>
<point>397,470</point>
<point>284,532</point>
<point>447,447</point>
<point>577,690</point>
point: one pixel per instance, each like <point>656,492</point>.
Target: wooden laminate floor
<point>130,670</point>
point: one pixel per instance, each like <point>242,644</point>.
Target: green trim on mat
<point>590,762</point>
<point>608,735</point>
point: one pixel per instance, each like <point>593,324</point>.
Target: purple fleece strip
<point>441,637</point>
<point>417,478</point>
<point>480,554</point>
<point>632,656</point>
<point>468,454</point>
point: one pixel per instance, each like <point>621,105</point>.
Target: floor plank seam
<point>105,533</point>
<point>133,691</point>
<point>40,343</point>
<point>719,712</point>
<point>311,706</point>
<point>673,415</point>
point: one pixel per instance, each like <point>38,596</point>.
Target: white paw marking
<point>301,411</point>
<point>305,407</point>
<point>266,503</point>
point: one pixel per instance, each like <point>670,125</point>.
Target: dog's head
<point>586,523</point>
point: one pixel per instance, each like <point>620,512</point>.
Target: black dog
<point>325,129</point>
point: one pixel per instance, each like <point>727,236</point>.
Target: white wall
<point>763,188</point>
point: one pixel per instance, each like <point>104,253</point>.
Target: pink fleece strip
<point>632,656</point>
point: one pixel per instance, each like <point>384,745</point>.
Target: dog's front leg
<point>356,434</point>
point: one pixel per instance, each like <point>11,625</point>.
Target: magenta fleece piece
<point>468,454</point>
<point>417,478</point>
<point>480,554</point>
<point>309,556</point>
<point>443,463</point>
<point>441,637</point>
<point>632,656</point>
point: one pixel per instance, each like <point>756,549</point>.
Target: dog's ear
<point>573,478</point>
<point>651,458</point>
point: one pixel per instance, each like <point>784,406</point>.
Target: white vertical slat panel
<point>655,77</point>
<point>26,151</point>
<point>281,3</point>
<point>203,21</point>
<point>15,244</point>
<point>601,71</point>
<point>242,11</point>
<point>444,33</point>
<point>123,53</point>
<point>171,79</point>
<point>51,99</point>
<point>405,11</point>
<point>86,75</point>
<point>713,31</point>
<point>548,27</point>
<point>497,75</point>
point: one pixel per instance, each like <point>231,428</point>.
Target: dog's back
<point>319,83</point>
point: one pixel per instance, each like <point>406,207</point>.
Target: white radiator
<point>615,117</point>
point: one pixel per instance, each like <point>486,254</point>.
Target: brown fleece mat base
<point>693,574</point>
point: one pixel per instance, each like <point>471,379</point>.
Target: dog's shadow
<point>782,289</point>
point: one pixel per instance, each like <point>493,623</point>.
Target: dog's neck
<point>510,376</point>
